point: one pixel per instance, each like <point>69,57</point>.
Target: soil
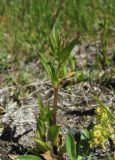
<point>76,105</point>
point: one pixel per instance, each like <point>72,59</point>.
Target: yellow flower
<point>103,128</point>
<point>97,141</point>
<point>99,110</point>
<point>97,135</point>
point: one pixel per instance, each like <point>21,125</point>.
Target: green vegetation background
<point>25,24</point>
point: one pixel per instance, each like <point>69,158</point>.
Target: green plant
<point>103,129</point>
<point>57,71</point>
<point>97,135</point>
<point>4,61</point>
<point>48,138</point>
<point>102,57</point>
<point>78,150</point>
<point>24,78</point>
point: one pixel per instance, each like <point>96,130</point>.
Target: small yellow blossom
<point>99,110</point>
<point>103,128</point>
<point>97,136</point>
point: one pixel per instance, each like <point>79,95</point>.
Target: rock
<point>23,121</point>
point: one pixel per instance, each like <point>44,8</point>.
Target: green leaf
<point>53,75</point>
<point>43,146</point>
<point>85,134</point>
<point>28,157</point>
<point>45,112</point>
<point>53,47</point>
<point>40,105</point>
<point>41,128</point>
<point>56,36</point>
<point>65,52</point>
<point>84,142</point>
<point>46,116</point>
<point>64,71</point>
<point>72,62</point>
<point>55,43</point>
<point>53,133</point>
<point>49,69</point>
<point>71,147</point>
<point>44,62</point>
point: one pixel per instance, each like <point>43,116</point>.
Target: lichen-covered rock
<point>22,122</point>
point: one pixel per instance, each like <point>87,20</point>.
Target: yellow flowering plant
<point>103,129</point>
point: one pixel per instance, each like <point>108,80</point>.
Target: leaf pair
<point>52,139</point>
<point>60,53</point>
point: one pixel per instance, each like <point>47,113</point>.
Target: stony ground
<point>76,105</point>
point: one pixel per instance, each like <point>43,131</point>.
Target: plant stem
<point>55,106</point>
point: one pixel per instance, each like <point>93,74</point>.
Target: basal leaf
<point>41,128</point>
<point>42,146</point>
<point>28,157</point>
<point>40,105</point>
<point>71,147</point>
<point>45,117</point>
<point>48,115</point>
<point>53,133</point>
